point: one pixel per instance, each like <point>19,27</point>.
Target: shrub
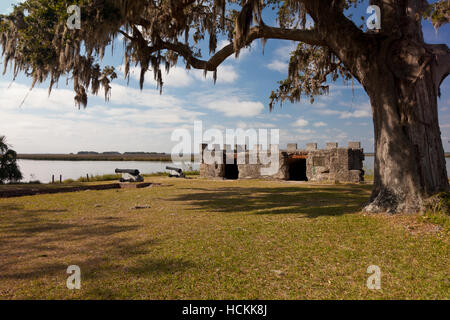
<point>9,170</point>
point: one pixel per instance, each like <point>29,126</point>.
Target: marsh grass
<point>94,178</point>
<point>368,175</point>
<point>114,177</point>
<point>166,173</point>
<point>203,239</point>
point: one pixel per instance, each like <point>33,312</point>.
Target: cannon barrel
<point>134,172</point>
<point>174,169</point>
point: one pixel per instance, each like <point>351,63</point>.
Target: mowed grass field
<point>203,239</point>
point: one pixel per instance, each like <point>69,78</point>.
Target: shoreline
<point>372,154</point>
<point>94,157</point>
<point>121,157</point>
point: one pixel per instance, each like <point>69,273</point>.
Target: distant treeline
<point>127,156</point>
<point>371,154</point>
<point>125,153</point>
<point>98,157</point>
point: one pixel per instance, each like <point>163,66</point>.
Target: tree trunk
<point>409,157</point>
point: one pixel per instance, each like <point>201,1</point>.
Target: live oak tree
<point>399,71</point>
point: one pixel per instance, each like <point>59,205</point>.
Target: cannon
<point>130,175</point>
<point>179,172</point>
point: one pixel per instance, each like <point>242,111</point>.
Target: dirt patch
<point>414,224</point>
<point>418,228</point>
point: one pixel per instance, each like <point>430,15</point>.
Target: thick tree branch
<point>259,32</point>
<point>441,62</point>
<point>342,36</point>
<point>443,66</point>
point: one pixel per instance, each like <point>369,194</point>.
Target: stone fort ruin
<point>310,164</point>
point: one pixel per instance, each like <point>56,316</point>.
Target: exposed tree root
<point>390,202</point>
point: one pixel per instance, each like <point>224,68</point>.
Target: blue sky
<point>144,121</point>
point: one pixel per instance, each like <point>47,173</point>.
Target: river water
<point>368,165</point>
<point>43,170</point>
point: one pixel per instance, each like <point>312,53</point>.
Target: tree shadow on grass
<point>310,202</point>
<point>98,267</point>
<point>160,265</point>
<point>33,242</point>
<point>35,272</point>
<point>8,207</point>
<point>151,268</point>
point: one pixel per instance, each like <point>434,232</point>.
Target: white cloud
<point>123,95</point>
<point>234,107</point>
<point>132,120</point>
<point>143,116</point>
<point>16,95</point>
<point>222,44</point>
<point>254,125</point>
<point>278,65</point>
<point>75,134</point>
<point>281,58</point>
<point>179,77</point>
<point>320,124</point>
<point>244,53</point>
<point>300,123</point>
<point>232,102</point>
<point>282,116</point>
<point>360,111</point>
<point>355,114</point>
<point>284,52</point>
<point>341,136</point>
<point>327,112</point>
<point>225,74</point>
<point>304,131</point>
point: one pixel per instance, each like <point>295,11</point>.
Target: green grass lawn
<point>203,239</point>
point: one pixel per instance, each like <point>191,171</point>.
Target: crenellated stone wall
<point>329,164</point>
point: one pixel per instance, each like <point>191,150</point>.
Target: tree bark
<point>409,157</point>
